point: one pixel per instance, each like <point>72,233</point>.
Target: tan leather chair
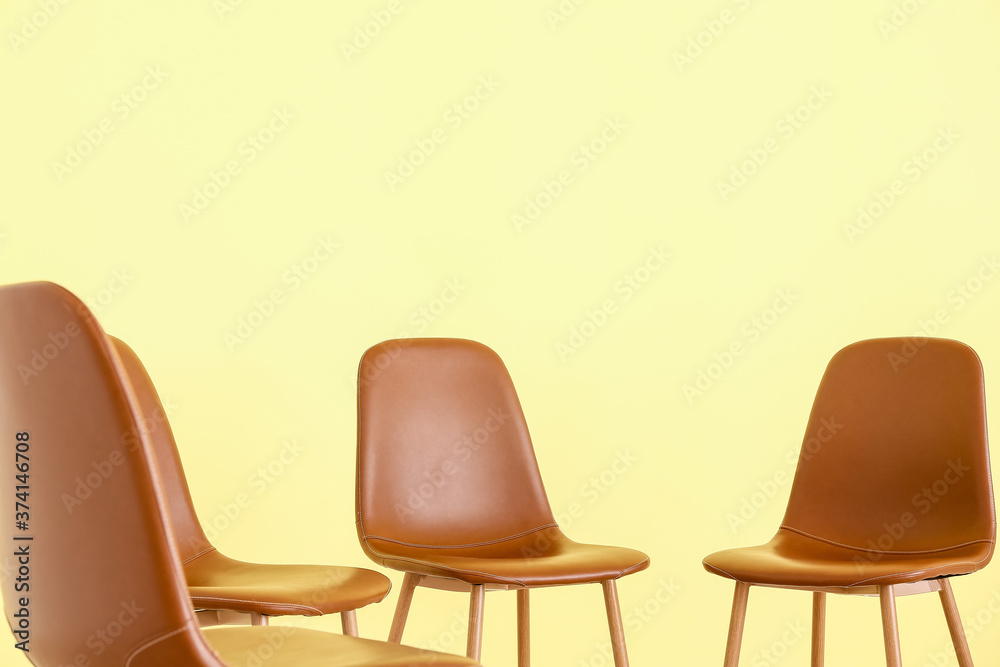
<point>449,491</point>
<point>103,584</point>
<point>892,494</point>
<point>218,584</point>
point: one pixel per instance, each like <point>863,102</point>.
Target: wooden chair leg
<point>955,624</point>
<point>890,629</point>
<point>615,623</point>
<point>736,621</point>
<point>349,622</point>
<point>819,629</point>
<point>410,582</point>
<point>523,629</point>
<point>257,619</point>
<point>474,646</point>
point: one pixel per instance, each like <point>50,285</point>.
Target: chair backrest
<point>189,536</point>
<point>895,455</point>
<point>444,455</point>
<point>97,581</point>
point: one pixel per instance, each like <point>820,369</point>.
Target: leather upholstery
<point>216,581</point>
<point>113,548</point>
<point>448,484</point>
<point>251,647</point>
<point>105,578</point>
<point>893,480</point>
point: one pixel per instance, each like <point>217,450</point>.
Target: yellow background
<point>113,230</point>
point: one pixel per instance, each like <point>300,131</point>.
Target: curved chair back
<point>895,455</point>
<point>444,455</point>
<point>103,585</point>
<point>189,536</point>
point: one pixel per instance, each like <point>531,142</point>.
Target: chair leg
<point>523,629</point>
<point>474,646</point>
<point>615,623</point>
<point>819,629</point>
<point>349,622</point>
<point>890,629</point>
<point>736,620</point>
<point>410,582</point>
<point>257,619</point>
<point>955,624</point>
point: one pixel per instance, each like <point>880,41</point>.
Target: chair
<point>449,491</point>
<point>892,493</point>
<point>218,584</point>
<point>102,581</point>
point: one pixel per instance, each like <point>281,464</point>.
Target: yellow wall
<point>509,172</point>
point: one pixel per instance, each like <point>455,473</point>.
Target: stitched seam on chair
<point>462,546</point>
<point>876,551</point>
<point>898,574</point>
<point>157,640</point>
<point>282,604</point>
<point>197,555</point>
<point>456,569</point>
<point>719,569</point>
<point>631,569</point>
<point>989,467</point>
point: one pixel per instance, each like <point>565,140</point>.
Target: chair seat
<point>792,559</point>
<point>286,646</point>
<point>539,558</point>
<point>218,582</point>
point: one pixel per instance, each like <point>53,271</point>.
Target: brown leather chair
<point>218,584</point>
<point>449,491</point>
<point>102,582</point>
<point>892,494</point>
